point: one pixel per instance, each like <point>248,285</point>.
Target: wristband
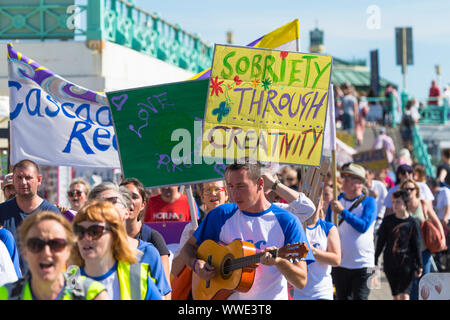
<point>274,185</point>
<point>193,265</point>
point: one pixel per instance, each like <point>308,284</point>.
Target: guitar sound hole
<point>226,267</point>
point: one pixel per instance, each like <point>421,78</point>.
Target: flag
<point>286,38</point>
<point>55,122</point>
<point>329,139</point>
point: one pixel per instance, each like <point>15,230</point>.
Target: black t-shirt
<point>401,241</point>
<point>151,235</point>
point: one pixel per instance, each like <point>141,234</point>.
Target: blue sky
<point>344,22</point>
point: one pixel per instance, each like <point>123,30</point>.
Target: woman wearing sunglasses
<point>77,195</point>
<point>46,239</point>
<point>103,254</point>
<point>144,251</point>
<point>417,206</point>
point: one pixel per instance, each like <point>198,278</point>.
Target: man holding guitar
<point>249,266</point>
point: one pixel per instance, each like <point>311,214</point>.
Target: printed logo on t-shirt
<point>258,244</point>
<point>167,216</point>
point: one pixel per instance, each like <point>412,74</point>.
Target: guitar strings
<point>242,262</point>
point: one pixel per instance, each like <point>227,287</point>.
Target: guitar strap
<point>354,205</point>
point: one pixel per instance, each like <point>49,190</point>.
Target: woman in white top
<point>324,240</point>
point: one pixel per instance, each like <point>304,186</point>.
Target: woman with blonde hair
<point>104,254</point>
<point>46,239</point>
<point>419,211</point>
<point>144,251</point>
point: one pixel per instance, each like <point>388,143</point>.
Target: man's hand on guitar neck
<point>203,269</point>
<point>295,272</point>
<point>268,259</point>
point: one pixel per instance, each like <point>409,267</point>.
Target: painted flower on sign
<point>266,83</point>
<point>255,83</point>
<point>222,111</point>
<point>215,86</point>
<point>237,80</point>
<point>283,54</point>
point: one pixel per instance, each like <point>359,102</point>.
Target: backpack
<point>430,234</point>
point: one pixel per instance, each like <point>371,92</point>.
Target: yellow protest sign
<point>267,105</point>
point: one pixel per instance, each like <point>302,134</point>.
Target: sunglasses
<point>36,245</point>
<point>213,189</point>
<point>94,232</point>
<point>113,200</point>
<point>410,189</point>
<point>77,193</point>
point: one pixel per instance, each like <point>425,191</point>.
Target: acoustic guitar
<point>235,266</point>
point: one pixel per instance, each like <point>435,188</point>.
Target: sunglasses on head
<point>74,193</point>
<point>36,245</point>
<point>95,232</point>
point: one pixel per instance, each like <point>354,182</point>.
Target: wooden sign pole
<point>334,171</point>
<point>192,206</point>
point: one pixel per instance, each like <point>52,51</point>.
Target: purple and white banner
<point>55,122</point>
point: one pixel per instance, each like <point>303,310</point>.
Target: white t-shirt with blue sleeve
<point>320,283</point>
<point>272,227</point>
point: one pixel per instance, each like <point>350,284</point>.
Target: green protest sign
<point>159,133</point>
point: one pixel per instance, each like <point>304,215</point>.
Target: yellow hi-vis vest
<point>20,290</point>
<point>133,280</point>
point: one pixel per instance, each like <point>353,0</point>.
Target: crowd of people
<point>357,110</point>
<point>102,246</point>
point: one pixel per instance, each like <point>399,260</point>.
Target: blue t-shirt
<point>11,216</point>
<point>152,257</point>
<point>272,227</point>
<point>10,244</point>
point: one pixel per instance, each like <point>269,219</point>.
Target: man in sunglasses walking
<point>26,180</point>
<point>357,213</point>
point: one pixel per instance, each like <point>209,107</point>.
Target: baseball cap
<point>355,170</point>
<point>404,168</point>
<point>7,180</point>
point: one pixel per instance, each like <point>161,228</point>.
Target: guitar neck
<point>246,261</point>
